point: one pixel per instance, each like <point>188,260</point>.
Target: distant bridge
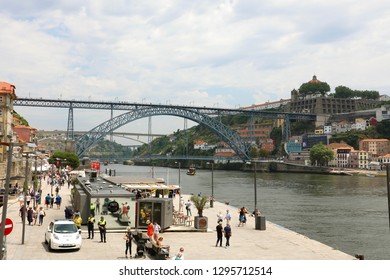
<point>202,115</point>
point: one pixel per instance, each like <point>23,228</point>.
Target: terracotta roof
<point>375,140</point>
<point>339,146</point>
<point>314,80</point>
<point>7,88</point>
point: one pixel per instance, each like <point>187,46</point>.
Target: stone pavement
<point>274,243</point>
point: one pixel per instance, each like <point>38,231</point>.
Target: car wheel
<point>50,248</point>
<point>45,240</point>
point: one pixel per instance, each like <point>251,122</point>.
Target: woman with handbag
<point>129,238</point>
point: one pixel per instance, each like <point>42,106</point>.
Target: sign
<point>9,225</point>
<point>95,165</point>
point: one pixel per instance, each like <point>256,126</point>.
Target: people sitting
<point>163,248</point>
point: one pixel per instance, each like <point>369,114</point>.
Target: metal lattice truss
<point>231,137</point>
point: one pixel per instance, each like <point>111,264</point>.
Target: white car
<point>63,234</point>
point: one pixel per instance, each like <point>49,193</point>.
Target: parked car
<point>63,235</point>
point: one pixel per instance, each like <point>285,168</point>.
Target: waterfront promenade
<point>274,243</point>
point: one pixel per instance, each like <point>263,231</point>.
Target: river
<point>348,213</point>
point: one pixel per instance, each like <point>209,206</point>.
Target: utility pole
<point>25,190</point>
<point>5,205</point>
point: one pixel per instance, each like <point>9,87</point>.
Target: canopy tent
<point>151,187</point>
<point>40,168</point>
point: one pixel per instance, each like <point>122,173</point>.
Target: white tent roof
<point>152,187</point>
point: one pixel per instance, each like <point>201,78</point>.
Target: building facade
<point>378,147</point>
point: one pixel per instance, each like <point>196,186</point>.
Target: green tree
<point>22,120</point>
<point>302,127</point>
<point>314,88</point>
<point>343,92</point>
<point>383,129</point>
<point>276,135</point>
<point>65,158</point>
<point>254,153</point>
<point>321,155</point>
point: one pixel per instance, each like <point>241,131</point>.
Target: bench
<point>156,252</point>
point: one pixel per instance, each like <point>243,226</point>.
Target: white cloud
<point>206,52</point>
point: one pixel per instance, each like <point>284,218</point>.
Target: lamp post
<point>212,185</point>
<point>254,182</point>
<point>40,178</point>
<point>5,202</point>
<point>25,189</point>
<point>388,188</point>
<point>180,197</point>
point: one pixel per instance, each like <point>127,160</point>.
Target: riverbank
<point>280,166</point>
<point>247,243</point>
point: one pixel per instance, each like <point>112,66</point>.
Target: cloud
<point>205,52</point>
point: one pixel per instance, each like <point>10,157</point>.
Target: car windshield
<point>65,228</point>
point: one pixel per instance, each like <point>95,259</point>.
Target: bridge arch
<point>231,137</point>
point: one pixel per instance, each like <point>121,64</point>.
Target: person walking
<point>91,226</point>
<point>28,199</point>
<point>92,209</point>
<point>78,221</point>
<point>30,213</point>
<point>150,230</point>
<point>35,215</point>
<point>228,217</point>
<point>47,201</point>
<point>22,212</point>
<point>156,232</point>
<point>228,233</point>
<point>242,216</point>
<point>58,201</point>
<point>68,213</point>
<point>38,198</point>
<point>102,229</point>
<point>41,214</point>
<point>52,201</point>
<point>219,234</point>
<point>97,205</point>
<point>188,208</point>
<point>129,239</point>
<point>219,217</point>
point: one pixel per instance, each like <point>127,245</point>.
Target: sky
<point>217,53</point>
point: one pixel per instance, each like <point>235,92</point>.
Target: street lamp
<point>212,185</point>
<point>180,197</point>
<point>254,182</point>
<point>25,189</point>
<point>5,201</point>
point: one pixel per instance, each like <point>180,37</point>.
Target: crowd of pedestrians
<point>31,208</point>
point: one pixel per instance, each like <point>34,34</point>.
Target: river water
<point>348,213</point>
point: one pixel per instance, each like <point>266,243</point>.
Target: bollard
<point>260,223</point>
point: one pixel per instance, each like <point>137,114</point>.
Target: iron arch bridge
<point>228,135</point>
<point>135,111</point>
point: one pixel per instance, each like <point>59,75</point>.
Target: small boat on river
<point>191,171</point>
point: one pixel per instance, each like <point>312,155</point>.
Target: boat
<point>370,174</point>
<point>191,171</point>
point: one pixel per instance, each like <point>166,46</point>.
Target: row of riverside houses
<point>372,154</point>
